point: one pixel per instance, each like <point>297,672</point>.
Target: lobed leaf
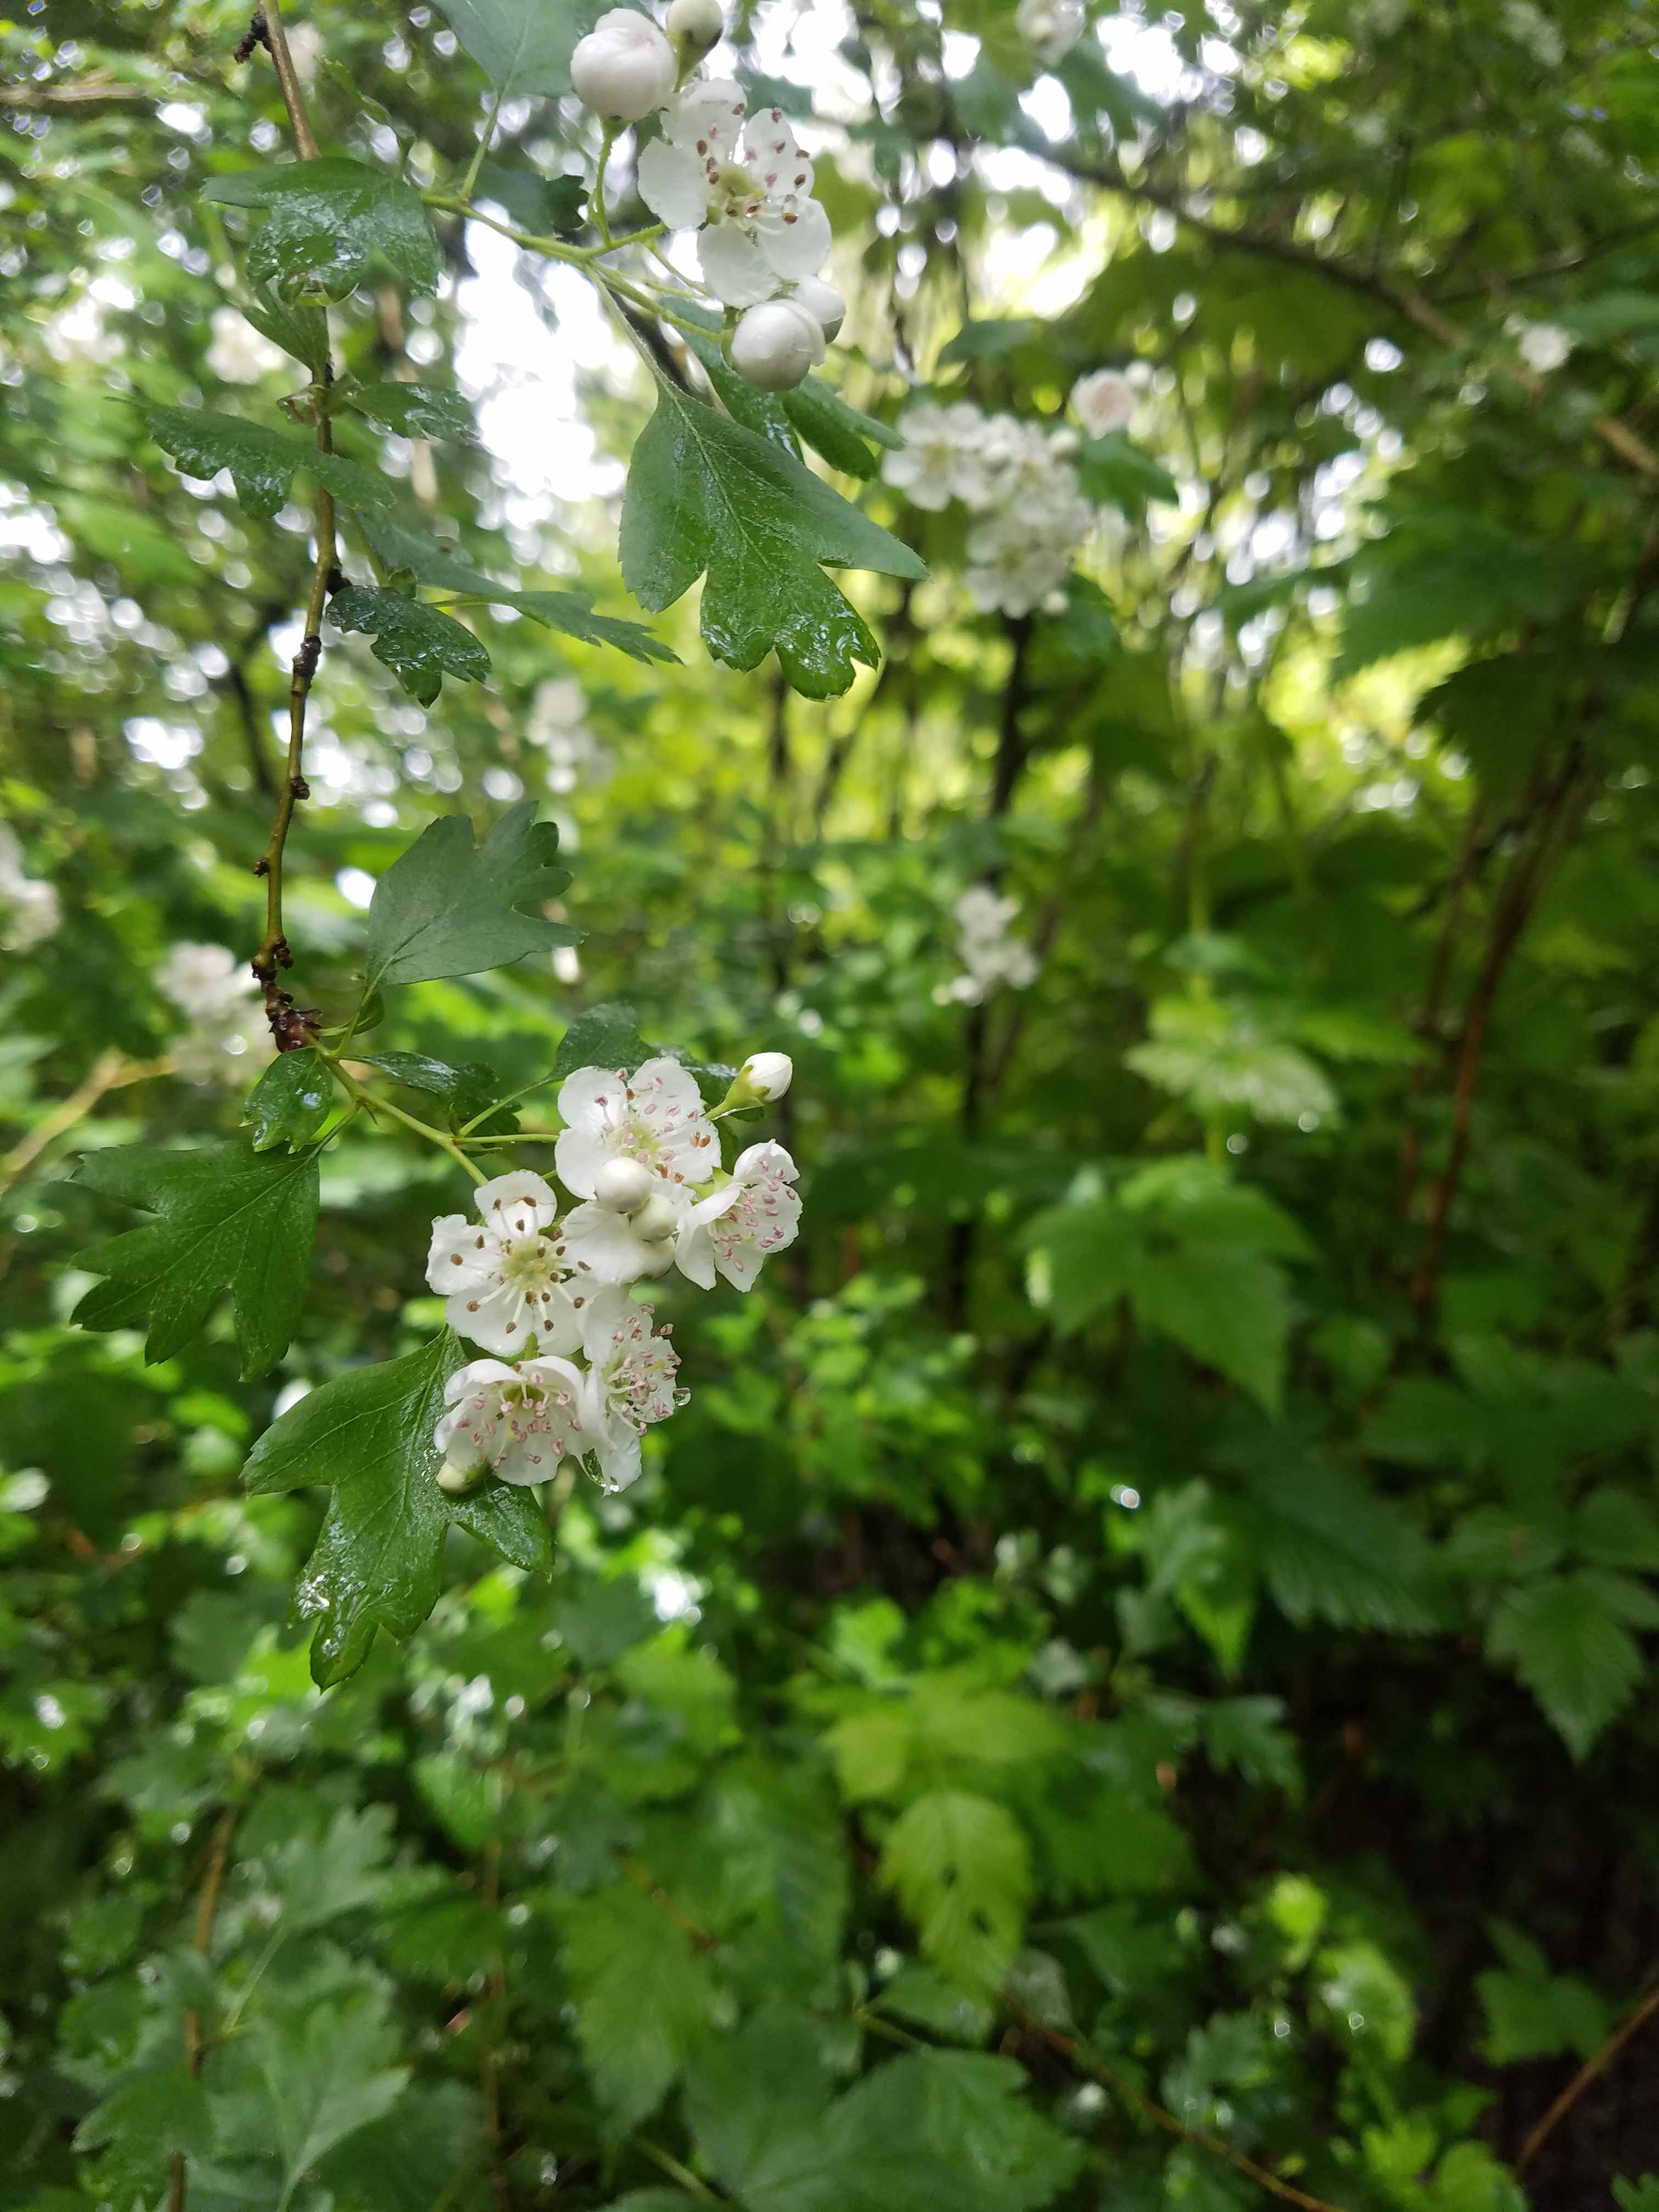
<point>263,462</point>
<point>420,644</point>
<point>452,906</point>
<point>331,224</point>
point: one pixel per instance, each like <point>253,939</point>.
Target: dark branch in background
<point>1630,2026</point>
<point>289,1026</point>
<point>201,1941</point>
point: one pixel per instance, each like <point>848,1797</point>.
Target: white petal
<point>604,1245</point>
<point>673,183</point>
<point>577,1159</point>
<point>618,1449</point>
<point>463,1256</point>
<point>518,1205</point>
<point>693,1251</point>
<point>707,117</point>
<point>733,267</point>
<point>500,1319</point>
<point>795,237</point>
<point>762,1161</point>
<point>558,1324</point>
<point>740,1264</point>
<point>479,1375</point>
<point>588,1098</point>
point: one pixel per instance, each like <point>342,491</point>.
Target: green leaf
<point>604,1036</point>
<point>1214,1056</point>
<point>1115,472</point>
<point>263,462</point>
<point>835,429</point>
<point>414,2157</point>
<point>331,224</point>
<point>326,2072</point>
<point>706,495</point>
<point>417,410</point>
<point>465,1090</point>
<point>140,2129</point>
<point>1195,1257</point>
<point>1565,1636</point>
<point>523,45</point>
<point>642,1994</point>
<point>420,644</point>
<point>298,326</point>
<point>959,1866</point>
<point>224,1217</point>
<point>535,202</point>
<point>450,906</point>
<point>1641,2196</point>
<point>1330,1549</point>
<point>1532,2013</point>
<point>368,1434</point>
<point>290,1101</point>
<point>405,545</point>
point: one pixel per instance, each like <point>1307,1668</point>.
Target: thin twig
<point>289,1029</point>
<point>642,1877</point>
<point>1630,2026</point>
<point>206,1906</point>
<point>113,1072</point>
<point>1075,2057</point>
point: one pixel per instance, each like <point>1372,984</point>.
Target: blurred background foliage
<point>1147,1606</point>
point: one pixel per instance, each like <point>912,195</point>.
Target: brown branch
<point>113,1071</point>
<point>79,92</point>
<point>206,1906</point>
<point>290,1028</point>
<point>1083,2063</point>
<point>1633,2022</point>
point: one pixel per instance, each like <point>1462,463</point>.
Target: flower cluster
<point>989,955</point>
<point>540,1292</point>
<point>227,1034</point>
<point>741,181</point>
<point>30,910</point>
<point>1018,478</point>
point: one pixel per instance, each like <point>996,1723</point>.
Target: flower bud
<point>769,1075</point>
<point>623,1186</point>
<point>655,1221</point>
<point>697,25</point>
<point>775,344</point>
<point>822,302</point>
<point>453,1479</point>
<point>1103,402</point>
<point>624,68</point>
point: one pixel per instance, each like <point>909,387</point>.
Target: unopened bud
<point>655,1221</point>
<point>454,1479</point>
<point>822,302</point>
<point>769,1075</point>
<point>623,1186</point>
<point>624,68</point>
<point>775,344</point>
<point>697,25</point>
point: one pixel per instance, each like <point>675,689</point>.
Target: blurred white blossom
<point>30,910</point>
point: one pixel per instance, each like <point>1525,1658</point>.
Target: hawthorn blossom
<point>942,458</point>
<point>736,1226</point>
<point>1544,346</point>
<point>502,1277</point>
<point>518,1422</point>
<point>624,68</point>
<point>1103,401</point>
<point>759,229</point>
<point>989,955</point>
<point>30,910</point>
<point>629,1384</point>
<point>206,981</point>
<point>654,1116</point>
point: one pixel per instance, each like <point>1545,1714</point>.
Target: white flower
<point>239,353</point>
<point>206,981</point>
<point>223,1052</point>
<point>776,344</point>
<point>1010,572</point>
<point>1053,26</point>
<point>942,458</point>
<point>990,956</point>
<point>629,1383</point>
<point>518,1421</point>
<point>30,910</point>
<point>769,1075</point>
<point>760,228</point>
<point>1103,402</point>
<point>624,68</point>
<point>734,1228</point>
<point>655,1116</point>
<point>502,1277</point>
<point>1544,347</point>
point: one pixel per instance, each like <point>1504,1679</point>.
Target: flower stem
<point>372,1105</point>
<point>483,146</point>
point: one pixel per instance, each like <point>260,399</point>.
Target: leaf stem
<point>207,1907</point>
<point>672,2167</point>
<point>483,146</point>
<point>372,1105</point>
